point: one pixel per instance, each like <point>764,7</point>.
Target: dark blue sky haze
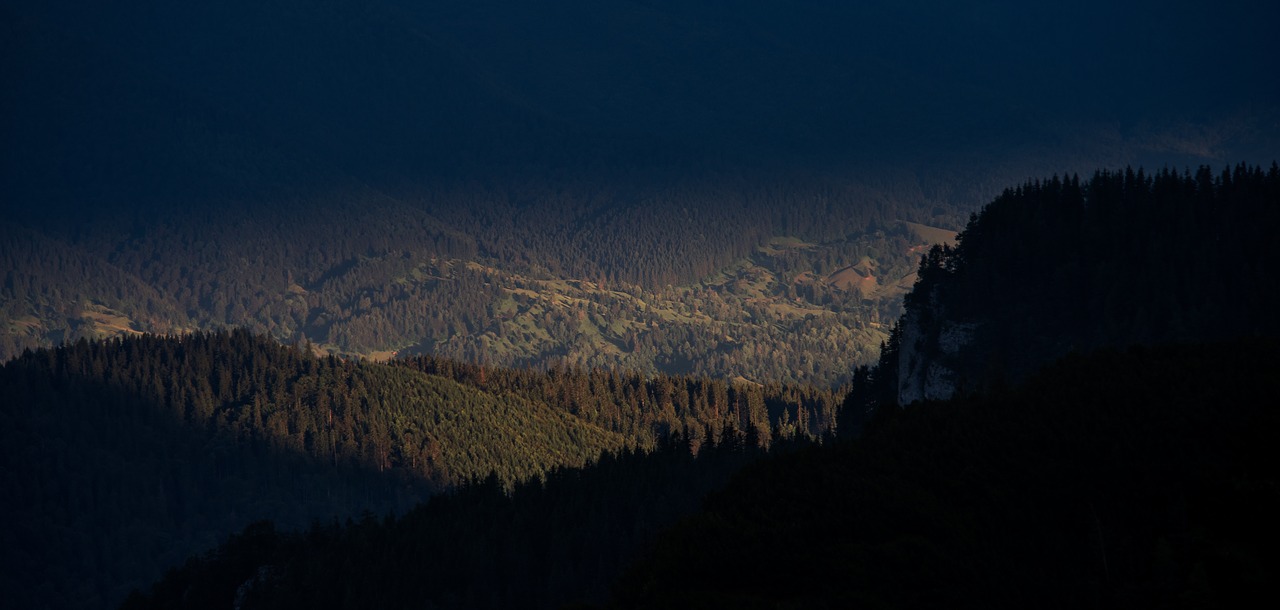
<point>119,102</point>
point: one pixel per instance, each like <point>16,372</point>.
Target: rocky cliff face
<point>932,359</point>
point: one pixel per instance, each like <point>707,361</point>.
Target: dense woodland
<point>123,456</point>
<point>1065,264</point>
<point>1137,478</point>
<point>562,540</point>
<point>1115,478</point>
<point>610,247</point>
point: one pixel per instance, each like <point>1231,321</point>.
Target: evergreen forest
<point>1074,466</point>
<point>638,304</point>
<point>124,456</point>
<point>765,288</point>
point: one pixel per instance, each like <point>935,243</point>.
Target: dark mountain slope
<point>1143,478</point>
<point>121,457</point>
<point>106,485</point>
<point>548,544</point>
<point>1061,265</point>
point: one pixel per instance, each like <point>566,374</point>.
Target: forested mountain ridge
<point>123,456</point>
<point>1072,265</point>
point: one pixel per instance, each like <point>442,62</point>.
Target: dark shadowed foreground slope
<point>1139,478</point>
<point>545,545</point>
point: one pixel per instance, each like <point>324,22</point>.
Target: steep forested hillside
<point>121,459</point>
<point>1069,265</point>
<point>123,456</point>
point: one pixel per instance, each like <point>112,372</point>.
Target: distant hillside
<point>54,292</point>
<point>394,278</point>
<point>328,172</point>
